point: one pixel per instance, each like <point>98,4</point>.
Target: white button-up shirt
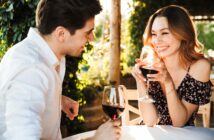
<point>30,91</point>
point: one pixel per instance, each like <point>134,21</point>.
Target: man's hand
<point>108,131</point>
<point>70,107</point>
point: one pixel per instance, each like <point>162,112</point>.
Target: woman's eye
<point>165,33</point>
<point>153,34</point>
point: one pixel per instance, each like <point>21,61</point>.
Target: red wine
<point>113,112</point>
<point>146,71</point>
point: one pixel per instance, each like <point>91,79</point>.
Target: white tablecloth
<point>157,133</point>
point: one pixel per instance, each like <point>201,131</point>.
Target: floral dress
<point>190,89</point>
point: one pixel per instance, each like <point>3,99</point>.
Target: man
<point>32,71</point>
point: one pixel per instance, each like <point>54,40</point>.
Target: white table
<point>157,133</point>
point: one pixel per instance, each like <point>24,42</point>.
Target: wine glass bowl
<point>113,102</point>
<point>145,71</point>
<point>149,57</point>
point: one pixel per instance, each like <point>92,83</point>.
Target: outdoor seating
<point>131,95</point>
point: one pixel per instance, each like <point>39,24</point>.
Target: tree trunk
<point>114,72</point>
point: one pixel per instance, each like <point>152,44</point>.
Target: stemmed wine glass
<point>113,102</point>
<point>149,57</point>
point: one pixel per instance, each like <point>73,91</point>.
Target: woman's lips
<point>161,48</point>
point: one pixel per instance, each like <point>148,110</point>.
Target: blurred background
<point>86,76</point>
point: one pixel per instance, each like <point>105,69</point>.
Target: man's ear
<point>60,33</point>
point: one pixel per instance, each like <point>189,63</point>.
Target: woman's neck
<point>172,62</point>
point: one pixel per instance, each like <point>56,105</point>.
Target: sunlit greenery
<point>142,9</point>
<point>93,70</point>
<point>206,34</point>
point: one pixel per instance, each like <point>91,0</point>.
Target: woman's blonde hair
<point>182,27</point>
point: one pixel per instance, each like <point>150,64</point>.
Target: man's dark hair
<point>71,14</point>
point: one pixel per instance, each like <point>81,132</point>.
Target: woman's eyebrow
<point>161,29</point>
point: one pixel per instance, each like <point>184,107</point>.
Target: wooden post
<point>115,21</point>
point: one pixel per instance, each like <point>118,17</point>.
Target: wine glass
<point>113,102</point>
<point>149,57</point>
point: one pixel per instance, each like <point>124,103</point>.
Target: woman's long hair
<point>182,27</point>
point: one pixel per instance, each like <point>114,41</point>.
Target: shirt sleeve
<point>198,93</point>
<point>25,104</point>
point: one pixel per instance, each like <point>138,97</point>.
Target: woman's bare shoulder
<point>200,70</point>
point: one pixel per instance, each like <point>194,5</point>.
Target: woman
<point>182,82</point>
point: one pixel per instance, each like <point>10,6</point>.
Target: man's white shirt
<point>30,91</point>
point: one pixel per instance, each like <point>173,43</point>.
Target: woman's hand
<point>136,73</point>
<point>140,79</point>
<point>162,76</point>
<point>70,107</point>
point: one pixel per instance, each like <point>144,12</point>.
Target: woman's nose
<point>158,39</point>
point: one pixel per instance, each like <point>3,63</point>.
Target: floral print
<point>190,90</point>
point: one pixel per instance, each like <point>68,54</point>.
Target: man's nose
<point>91,37</point>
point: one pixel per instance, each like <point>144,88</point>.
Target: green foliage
<point>126,62</point>
<point>142,10</point>
<point>3,48</point>
<point>16,18</point>
<point>99,31</point>
<point>206,34</point>
<point>95,67</point>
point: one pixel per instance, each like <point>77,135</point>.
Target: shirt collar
<point>45,50</point>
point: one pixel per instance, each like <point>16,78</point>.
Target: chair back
<point>127,118</point>
<point>205,110</point>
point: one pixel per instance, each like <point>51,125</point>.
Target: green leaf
<point>10,8</point>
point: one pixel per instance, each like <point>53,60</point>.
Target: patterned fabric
<point>190,89</point>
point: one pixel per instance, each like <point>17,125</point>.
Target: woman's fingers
<point>137,73</point>
<point>161,75</point>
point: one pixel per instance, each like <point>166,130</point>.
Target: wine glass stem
<point>147,87</point>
